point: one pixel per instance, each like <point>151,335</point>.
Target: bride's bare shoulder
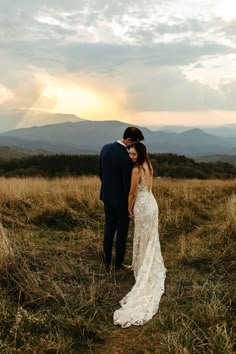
<point>135,170</point>
<point>146,167</point>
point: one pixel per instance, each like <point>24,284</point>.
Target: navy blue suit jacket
<point>115,175</point>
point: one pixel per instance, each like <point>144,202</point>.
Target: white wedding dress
<point>142,302</point>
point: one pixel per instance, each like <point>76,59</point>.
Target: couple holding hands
<point>126,190</point>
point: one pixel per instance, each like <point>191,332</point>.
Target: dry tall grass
<point>56,296</point>
<point>6,252</point>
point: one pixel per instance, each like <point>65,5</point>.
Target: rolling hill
<point>89,136</point>
<point>225,131</point>
<point>11,119</point>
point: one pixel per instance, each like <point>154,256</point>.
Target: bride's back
<point>147,173</point>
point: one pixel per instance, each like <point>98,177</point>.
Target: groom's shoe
<point>123,267</point>
<point>126,266</point>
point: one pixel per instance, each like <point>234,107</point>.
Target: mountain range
<point>87,137</point>
<point>11,119</point>
<point>225,131</point>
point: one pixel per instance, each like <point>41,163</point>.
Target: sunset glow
<point>167,63</point>
<point>84,102</point>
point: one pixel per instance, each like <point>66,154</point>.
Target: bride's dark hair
<point>142,154</point>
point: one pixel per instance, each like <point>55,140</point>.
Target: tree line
<point>164,165</point>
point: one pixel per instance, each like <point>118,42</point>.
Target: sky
<point>156,62</point>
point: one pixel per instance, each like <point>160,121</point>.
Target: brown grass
<point>6,252</point>
<point>56,296</point>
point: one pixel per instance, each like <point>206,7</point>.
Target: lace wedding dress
<point>142,302</point>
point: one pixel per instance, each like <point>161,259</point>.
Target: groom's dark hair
<point>133,133</point>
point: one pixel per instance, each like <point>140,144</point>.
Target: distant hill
<point>170,128</point>
<point>7,152</point>
<point>89,136</point>
<point>214,158</point>
<point>14,119</point>
<point>38,145</point>
<point>225,131</point>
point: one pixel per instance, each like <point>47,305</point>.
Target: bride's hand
<point>131,215</point>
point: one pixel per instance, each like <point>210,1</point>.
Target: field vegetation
<point>164,165</point>
<point>57,297</point>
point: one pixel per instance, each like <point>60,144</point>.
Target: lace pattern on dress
<point>142,302</point>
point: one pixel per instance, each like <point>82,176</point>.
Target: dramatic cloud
<point>169,56</point>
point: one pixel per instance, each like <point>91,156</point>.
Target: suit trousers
<point>116,225</point>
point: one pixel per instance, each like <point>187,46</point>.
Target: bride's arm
<point>151,179</point>
<point>133,190</point>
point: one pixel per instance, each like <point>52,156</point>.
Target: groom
<point>115,174</point>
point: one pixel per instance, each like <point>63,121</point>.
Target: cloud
<point>228,94</point>
<point>149,75</point>
<point>5,94</point>
<point>166,89</point>
<point>159,56</point>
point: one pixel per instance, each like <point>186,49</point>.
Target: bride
<point>142,302</point>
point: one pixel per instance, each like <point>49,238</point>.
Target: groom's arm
<point>100,167</point>
<point>101,159</point>
<point>126,177</point>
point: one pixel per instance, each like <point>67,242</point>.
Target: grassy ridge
<point>56,296</point>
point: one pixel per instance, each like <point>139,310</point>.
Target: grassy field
<point>57,297</point>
